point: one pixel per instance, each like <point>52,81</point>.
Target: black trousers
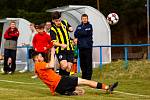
<point>85,55</point>
<point>12,54</point>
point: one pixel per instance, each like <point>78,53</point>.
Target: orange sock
<point>104,86</point>
<point>74,68</point>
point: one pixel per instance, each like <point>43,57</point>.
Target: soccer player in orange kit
<point>64,85</point>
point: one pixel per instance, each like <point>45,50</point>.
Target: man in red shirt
<point>65,85</point>
<point>10,47</point>
<point>41,41</point>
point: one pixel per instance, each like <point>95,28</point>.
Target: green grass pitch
<point>134,84</point>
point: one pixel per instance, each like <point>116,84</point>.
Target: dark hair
<point>84,15</point>
<point>40,26</point>
<point>12,22</point>
<point>56,15</point>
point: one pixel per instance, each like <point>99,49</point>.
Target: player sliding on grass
<point>65,85</point>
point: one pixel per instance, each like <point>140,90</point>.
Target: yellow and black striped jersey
<point>61,35</point>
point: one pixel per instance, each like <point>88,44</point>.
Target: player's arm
<point>52,59</point>
<point>54,40</point>
<point>70,28</point>
<point>59,44</point>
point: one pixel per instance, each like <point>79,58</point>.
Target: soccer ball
<point>112,18</point>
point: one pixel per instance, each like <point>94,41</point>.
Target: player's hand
<point>35,49</point>
<point>75,41</point>
<point>45,48</point>
<point>70,29</point>
<point>64,46</point>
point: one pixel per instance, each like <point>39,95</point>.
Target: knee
<point>69,66</point>
<point>68,69</point>
<point>63,66</point>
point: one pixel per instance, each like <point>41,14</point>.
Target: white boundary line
<point>147,96</point>
<point>20,82</point>
<point>138,95</point>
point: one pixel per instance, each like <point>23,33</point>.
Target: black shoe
<point>68,93</point>
<point>10,73</point>
<point>5,73</point>
<point>112,86</point>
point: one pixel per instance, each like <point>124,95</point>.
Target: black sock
<point>99,85</point>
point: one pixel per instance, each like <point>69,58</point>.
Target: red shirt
<point>11,34</point>
<point>48,76</point>
<point>40,41</point>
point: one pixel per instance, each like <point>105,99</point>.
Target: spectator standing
<point>84,37</point>
<point>10,47</point>
<point>47,27</point>
<point>31,50</point>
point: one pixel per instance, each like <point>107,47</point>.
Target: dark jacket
<point>84,34</point>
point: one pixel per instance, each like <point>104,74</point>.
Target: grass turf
<point>133,84</point>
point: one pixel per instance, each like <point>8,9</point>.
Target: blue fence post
<point>148,29</point>
<point>126,57</point>
<point>101,58</point>
<point>78,62</point>
<point>27,57</point>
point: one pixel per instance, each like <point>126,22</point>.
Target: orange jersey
<point>48,76</point>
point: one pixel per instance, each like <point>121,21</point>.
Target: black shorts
<point>31,53</point>
<point>65,55</point>
<point>67,85</point>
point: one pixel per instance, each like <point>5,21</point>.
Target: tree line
<point>132,14</point>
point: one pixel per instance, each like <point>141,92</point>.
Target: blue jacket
<point>84,34</point>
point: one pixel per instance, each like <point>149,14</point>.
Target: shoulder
<point>89,26</point>
<point>48,35</point>
<point>53,30</point>
<point>8,29</point>
<point>36,35</point>
<point>79,26</point>
<point>40,65</point>
<point>16,29</point>
<point>64,21</point>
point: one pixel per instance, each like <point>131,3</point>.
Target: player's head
<point>56,18</point>
<point>40,28</point>
<point>32,27</point>
<point>38,58</point>
<point>48,25</point>
<point>84,18</point>
<point>12,24</point>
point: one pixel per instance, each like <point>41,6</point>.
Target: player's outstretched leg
<point>97,85</point>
